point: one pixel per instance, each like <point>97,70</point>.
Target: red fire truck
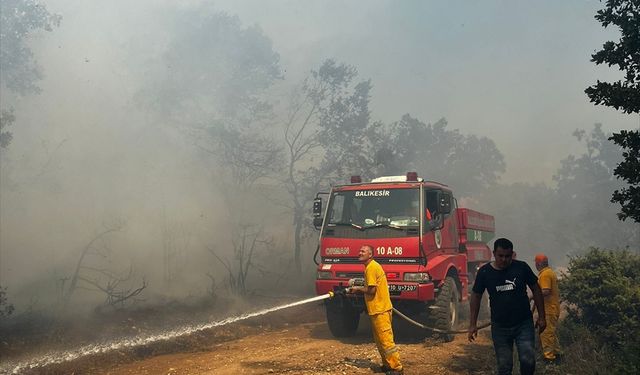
<point>429,248</point>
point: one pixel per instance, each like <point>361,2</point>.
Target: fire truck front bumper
<point>397,290</point>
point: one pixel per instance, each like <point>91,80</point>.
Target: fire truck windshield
<point>364,209</point>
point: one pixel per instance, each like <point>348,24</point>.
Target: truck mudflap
<point>397,290</point>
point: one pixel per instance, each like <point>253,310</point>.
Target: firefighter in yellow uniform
<point>548,282</point>
<point>378,301</point>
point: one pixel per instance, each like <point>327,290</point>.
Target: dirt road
<point>292,342</point>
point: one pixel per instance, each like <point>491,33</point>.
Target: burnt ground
<point>293,341</point>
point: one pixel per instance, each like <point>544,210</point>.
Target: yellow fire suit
<point>547,280</point>
<point>379,310</point>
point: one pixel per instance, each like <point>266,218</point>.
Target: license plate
<point>402,288</point>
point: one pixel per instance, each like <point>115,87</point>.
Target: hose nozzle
<point>337,293</point>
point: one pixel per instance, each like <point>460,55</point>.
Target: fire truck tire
<point>342,317</point>
<point>444,314</point>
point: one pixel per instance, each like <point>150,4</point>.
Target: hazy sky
<point>514,71</point>
<point>84,152</point>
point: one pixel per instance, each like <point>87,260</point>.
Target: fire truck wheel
<point>343,318</point>
<point>444,313</point>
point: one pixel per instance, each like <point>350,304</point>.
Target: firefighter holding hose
<point>379,308</point>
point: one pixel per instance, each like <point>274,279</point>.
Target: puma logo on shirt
<point>510,285</point>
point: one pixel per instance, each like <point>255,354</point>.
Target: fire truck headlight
<point>418,277</point>
<point>324,275</point>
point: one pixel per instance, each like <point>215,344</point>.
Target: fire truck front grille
<point>349,275</point>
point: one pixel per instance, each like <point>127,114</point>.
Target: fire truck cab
<point>429,248</point>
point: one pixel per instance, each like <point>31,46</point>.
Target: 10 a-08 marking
<point>381,250</point>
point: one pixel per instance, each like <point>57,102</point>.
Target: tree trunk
<point>297,238</point>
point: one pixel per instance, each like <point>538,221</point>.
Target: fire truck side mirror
<point>317,207</point>
<point>445,204</point>
<point>317,222</point>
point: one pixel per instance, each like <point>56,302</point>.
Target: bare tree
<point>246,242</point>
<point>213,288</point>
<point>245,154</point>
<point>89,249</point>
<point>217,95</point>
<point>328,114</point>
<point>116,294</point>
<point>88,276</point>
<point>175,243</point>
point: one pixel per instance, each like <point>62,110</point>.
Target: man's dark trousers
<point>523,335</point>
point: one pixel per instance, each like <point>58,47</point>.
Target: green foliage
<point>582,351</point>
<point>19,20</point>
<point>211,78</point>
<point>212,81</point>
<point>468,162</point>
<point>343,119</point>
<point>325,138</point>
<point>622,95</point>
<point>625,54</point>
<point>629,171</point>
<point>19,72</point>
<point>602,291</point>
<point>6,119</point>
<point>572,215</point>
<point>584,184</point>
<point>213,67</point>
<point>327,115</point>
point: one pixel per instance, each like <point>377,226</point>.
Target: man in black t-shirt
<point>506,281</point>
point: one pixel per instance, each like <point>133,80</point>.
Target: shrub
<point>602,292</point>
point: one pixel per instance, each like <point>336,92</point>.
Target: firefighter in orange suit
<point>378,301</point>
<point>548,282</point>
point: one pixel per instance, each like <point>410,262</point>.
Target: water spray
<point>71,355</point>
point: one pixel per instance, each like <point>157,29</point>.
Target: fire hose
<point>360,282</point>
<point>437,330</point>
